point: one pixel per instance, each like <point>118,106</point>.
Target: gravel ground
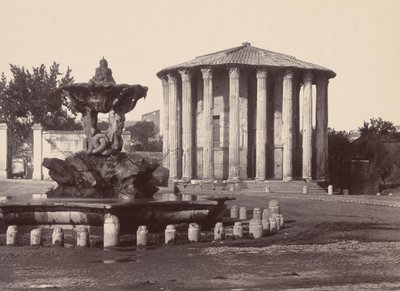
<point>329,243</point>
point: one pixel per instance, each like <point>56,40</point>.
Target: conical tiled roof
<point>247,55</point>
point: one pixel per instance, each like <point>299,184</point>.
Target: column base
<point>287,179</point>
<point>233,180</point>
<point>259,179</point>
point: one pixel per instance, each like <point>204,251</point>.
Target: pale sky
<point>359,40</point>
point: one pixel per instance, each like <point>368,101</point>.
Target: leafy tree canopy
<point>377,126</point>
<point>144,136</point>
<point>31,96</point>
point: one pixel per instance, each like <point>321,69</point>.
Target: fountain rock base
<point>121,175</point>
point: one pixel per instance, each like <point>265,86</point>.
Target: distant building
<point>153,116</point>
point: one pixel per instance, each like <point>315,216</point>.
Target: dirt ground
<point>329,243</point>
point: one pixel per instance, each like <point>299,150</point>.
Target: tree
<point>339,145</point>
<point>32,97</point>
<point>144,137</point>
<point>377,126</point>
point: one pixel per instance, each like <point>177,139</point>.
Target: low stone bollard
<point>238,230</point>
<point>257,213</point>
<point>234,212</point>
<point>12,235</point>
<point>219,231</point>
<point>36,237</point>
<point>111,231</point>
<point>142,235</point>
<point>305,189</point>
<point>170,234</point>
<point>255,228</point>
<point>278,221</point>
<point>82,237</point>
<point>281,220</point>
<point>346,191</point>
<point>237,187</point>
<point>267,189</point>
<point>265,225</point>
<point>193,232</point>
<point>274,207</point>
<point>57,238</point>
<point>272,226</point>
<point>330,190</point>
<point>242,213</point>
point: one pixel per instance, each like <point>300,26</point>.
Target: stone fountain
<point>102,180</point>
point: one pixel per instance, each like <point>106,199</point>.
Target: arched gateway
<point>235,114</point>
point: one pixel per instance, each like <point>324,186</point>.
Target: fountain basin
<point>156,213</point>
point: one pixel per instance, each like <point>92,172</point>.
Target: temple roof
<point>249,56</point>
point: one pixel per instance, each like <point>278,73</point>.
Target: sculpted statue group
<point>102,94</point>
<point>102,170</point>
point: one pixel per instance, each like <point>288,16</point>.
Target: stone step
<point>274,186</point>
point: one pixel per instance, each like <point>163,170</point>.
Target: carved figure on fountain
<point>102,170</point>
<point>102,94</point>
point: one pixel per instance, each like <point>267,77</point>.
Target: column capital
<point>307,77</point>
<point>321,79</point>
<point>262,73</point>
<point>186,75</point>
<point>172,78</point>
<point>3,126</point>
<point>37,126</point>
<point>234,72</point>
<point>288,73</point>
<point>206,73</point>
<point>164,79</point>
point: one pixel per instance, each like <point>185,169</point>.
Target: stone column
<point>277,170</point>
<point>208,167</point>
<point>187,125</point>
<point>321,137</point>
<point>3,150</point>
<point>37,152</point>
<point>234,123</point>
<point>173,126</point>
<point>261,124</point>
<point>165,129</point>
<point>307,125</point>
<point>296,128</point>
<point>287,125</point>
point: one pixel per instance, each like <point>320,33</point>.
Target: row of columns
<point>181,163</point>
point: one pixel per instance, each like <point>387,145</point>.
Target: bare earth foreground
<point>329,243</point>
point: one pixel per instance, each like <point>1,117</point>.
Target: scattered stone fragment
<point>242,213</point>
<point>36,237</point>
<point>257,213</point>
<point>274,206</point>
<point>238,230</point>
<point>170,234</point>
<point>219,231</point>
<point>111,230</point>
<point>234,212</point>
<point>255,228</point>
<point>141,235</point>
<point>12,235</point>
<point>330,190</point>
<point>82,237</point>
<point>57,238</point>
<point>272,226</point>
<point>193,232</point>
